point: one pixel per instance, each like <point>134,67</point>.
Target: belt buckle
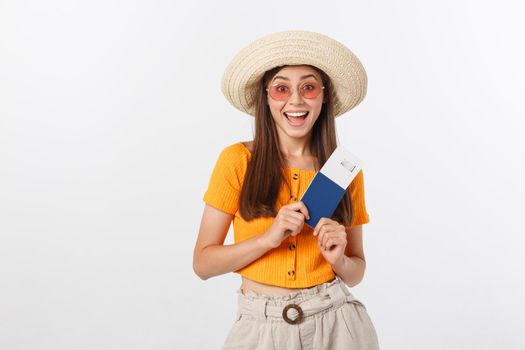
<point>296,307</point>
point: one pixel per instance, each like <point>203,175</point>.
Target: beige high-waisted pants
<point>323,317</point>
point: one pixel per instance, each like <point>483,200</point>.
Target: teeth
<point>299,114</point>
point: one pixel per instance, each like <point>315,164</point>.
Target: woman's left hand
<point>331,239</point>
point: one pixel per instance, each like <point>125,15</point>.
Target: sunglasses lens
<point>283,92</point>
<point>279,92</point>
<point>310,90</point>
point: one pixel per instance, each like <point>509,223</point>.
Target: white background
<point>111,120</point>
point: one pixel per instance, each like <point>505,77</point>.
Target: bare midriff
<point>265,289</point>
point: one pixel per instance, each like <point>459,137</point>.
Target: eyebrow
<point>303,77</point>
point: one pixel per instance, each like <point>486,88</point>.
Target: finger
<point>302,208</point>
<point>326,228</point>
<point>323,221</point>
<point>317,227</point>
<point>286,222</point>
<point>299,230</point>
<point>326,236</point>
<point>322,233</point>
<point>295,214</point>
<point>295,225</point>
<point>292,220</point>
<point>327,232</point>
<point>334,236</point>
<point>297,206</point>
<point>334,241</point>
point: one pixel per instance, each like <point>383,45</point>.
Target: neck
<point>295,147</point>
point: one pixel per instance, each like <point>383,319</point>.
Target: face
<point>294,79</point>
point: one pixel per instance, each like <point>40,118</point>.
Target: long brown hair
<point>265,173</point>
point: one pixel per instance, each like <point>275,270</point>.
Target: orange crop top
<point>297,262</point>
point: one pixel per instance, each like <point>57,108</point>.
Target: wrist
<point>339,264</point>
<point>264,242</point>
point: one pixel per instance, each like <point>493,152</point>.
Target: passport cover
<point>330,184</point>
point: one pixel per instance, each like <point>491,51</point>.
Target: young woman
<point>294,292</point>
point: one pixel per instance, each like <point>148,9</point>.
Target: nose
<point>296,97</point>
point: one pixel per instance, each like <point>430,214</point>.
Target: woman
<point>294,291</point>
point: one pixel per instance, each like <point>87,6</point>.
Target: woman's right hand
<point>288,221</point>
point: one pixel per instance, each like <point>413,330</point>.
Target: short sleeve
<point>225,183</point>
<point>357,189</point>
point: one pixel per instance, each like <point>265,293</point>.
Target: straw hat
<point>295,47</point>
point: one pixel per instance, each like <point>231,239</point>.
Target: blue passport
<point>329,185</point>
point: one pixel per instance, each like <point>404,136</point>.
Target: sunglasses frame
<point>308,98</point>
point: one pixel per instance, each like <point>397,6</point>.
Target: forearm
<point>350,269</point>
<point>220,259</point>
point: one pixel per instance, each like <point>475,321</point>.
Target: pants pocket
<point>242,334</point>
<point>359,324</point>
<point>347,313</point>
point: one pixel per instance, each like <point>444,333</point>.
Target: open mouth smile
<point>296,118</point>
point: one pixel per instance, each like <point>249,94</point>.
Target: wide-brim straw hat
<point>295,47</point>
